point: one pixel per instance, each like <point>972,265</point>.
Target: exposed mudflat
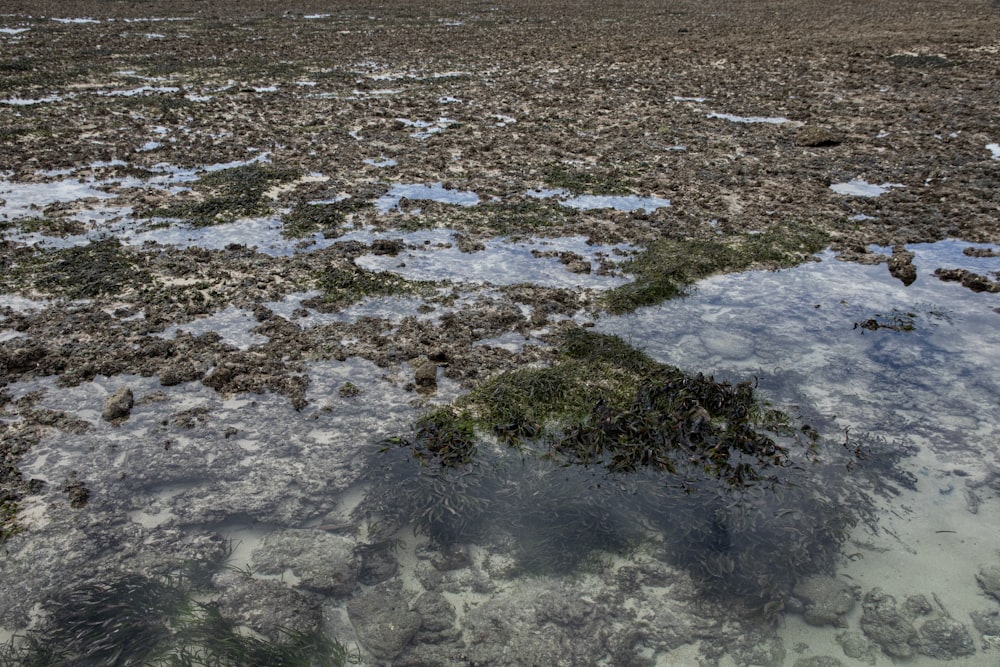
<point>290,229</point>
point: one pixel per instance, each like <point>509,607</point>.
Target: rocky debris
<point>323,562</point>
<point>973,281</point>
<point>989,580</point>
<point>827,600</point>
<point>383,622</point>
<point>945,639</point>
<point>425,375</point>
<point>884,624</point>
<point>265,606</point>
<point>856,646</point>
<point>437,618</point>
<point>78,493</point>
<point>178,372</point>
<point>988,624</point>
<point>118,406</point>
<point>901,265</point>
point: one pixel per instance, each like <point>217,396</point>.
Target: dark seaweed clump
<point>80,272</point>
<point>606,450</point>
<point>228,194</point>
<point>137,620</point>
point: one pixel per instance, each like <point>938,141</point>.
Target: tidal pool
<point>287,516</point>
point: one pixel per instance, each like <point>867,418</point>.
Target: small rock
<point>856,646</point>
<point>426,375</point>
<point>815,137</point>
<point>989,580</point>
<point>383,622</point>
<point>917,605</point>
<point>436,612</point>
<point>578,266</point>
<point>885,625</point>
<point>118,406</point>
<point>945,639</point>
<point>78,493</point>
<point>266,606</point>
<point>901,265</point>
<point>827,600</point>
<point>987,622</point>
<point>323,562</point>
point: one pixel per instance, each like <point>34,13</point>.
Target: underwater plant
<point>606,449</point>
<point>136,620</point>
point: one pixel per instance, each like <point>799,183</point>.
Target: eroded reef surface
<point>246,247</point>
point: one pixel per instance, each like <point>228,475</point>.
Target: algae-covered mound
<point>607,449</point>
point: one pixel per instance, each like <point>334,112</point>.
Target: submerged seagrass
<point>606,450</point>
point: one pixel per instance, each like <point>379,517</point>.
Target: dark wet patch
<point>228,194</point>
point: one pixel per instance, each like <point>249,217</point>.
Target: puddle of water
<point>13,31</point>
<point>435,192</point>
<point>775,120</point>
<point>994,150</point>
<point>858,187</point>
<point>380,162</point>
<point>24,102</point>
<point>426,128</point>
<point>434,255</point>
<point>232,324</point>
<point>932,384</point>
<point>627,203</point>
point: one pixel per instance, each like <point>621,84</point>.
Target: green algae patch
<point>579,181</point>
<point>607,450</point>
<point>228,194</point>
<point>668,267</point>
<point>99,268</point>
<point>307,219</point>
<point>343,286</point>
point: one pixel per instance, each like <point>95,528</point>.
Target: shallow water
<point>845,346</point>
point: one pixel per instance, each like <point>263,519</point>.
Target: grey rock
<point>562,608</point>
<point>118,406</point>
<point>266,606</point>
<point>383,621</point>
<point>989,580</point>
<point>426,375</point>
<point>818,661</point>
<point>945,639</point>
<point>827,600</point>
<point>987,622</point>
<point>323,562</point>
<point>917,605</point>
<point>436,612</point>
<point>856,646</point>
<point>885,625</point>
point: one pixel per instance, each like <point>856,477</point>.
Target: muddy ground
<point>741,114</point>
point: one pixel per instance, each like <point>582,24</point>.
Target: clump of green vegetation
<point>668,267</point>
<point>343,286</point>
<point>136,620</point>
<point>607,448</point>
<point>80,272</point>
<point>578,181</point>
<point>229,194</point>
<point>8,519</point>
<point>50,226</point>
<point>307,219</point>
